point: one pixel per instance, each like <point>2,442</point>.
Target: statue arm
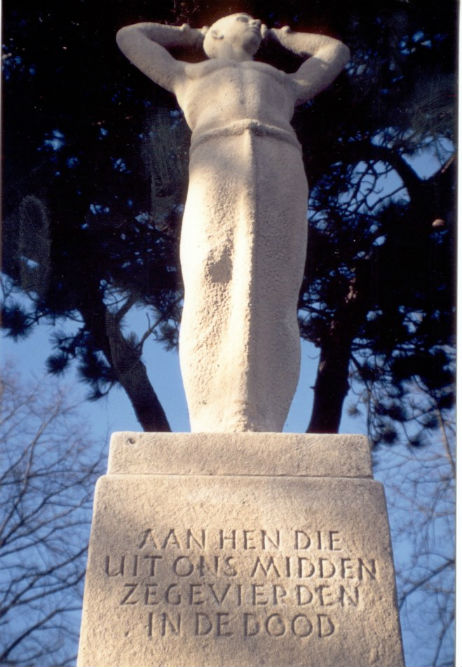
<point>146,46</point>
<point>328,57</point>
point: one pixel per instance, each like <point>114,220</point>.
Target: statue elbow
<point>121,37</point>
<point>124,37</point>
<point>335,54</point>
<point>343,54</point>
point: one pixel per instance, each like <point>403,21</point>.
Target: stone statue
<point>244,232</point>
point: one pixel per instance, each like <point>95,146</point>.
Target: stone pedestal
<point>239,549</point>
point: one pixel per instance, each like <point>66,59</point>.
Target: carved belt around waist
<point>240,126</point>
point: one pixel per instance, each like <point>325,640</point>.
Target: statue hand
<point>277,32</point>
<point>193,36</point>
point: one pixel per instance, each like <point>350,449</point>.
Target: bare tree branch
<point>47,476</point>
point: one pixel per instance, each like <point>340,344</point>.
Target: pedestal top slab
<point>275,454</point>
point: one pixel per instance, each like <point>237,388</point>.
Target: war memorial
<point>237,544</point>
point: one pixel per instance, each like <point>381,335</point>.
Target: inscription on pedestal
<point>218,568</point>
<point>232,582</point>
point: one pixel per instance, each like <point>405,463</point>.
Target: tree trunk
<point>332,384</point>
<point>143,398</point>
<point>124,357</point>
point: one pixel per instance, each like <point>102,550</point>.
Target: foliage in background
<point>421,493</point>
<point>96,177</point>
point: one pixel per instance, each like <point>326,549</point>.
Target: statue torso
<point>217,92</point>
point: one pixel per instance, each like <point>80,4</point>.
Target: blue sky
<point>114,412</point>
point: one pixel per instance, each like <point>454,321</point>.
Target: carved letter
<point>279,593</point>
<point>173,629</point>
<point>322,571</point>
<point>171,537</point>
<point>219,600</point>
<point>115,573</point>
<point>176,599</point>
<point>144,538</point>
<point>221,623</point>
<point>190,539</point>
<point>344,595</point>
<point>275,626</point>
<point>232,539</point>
<point>153,560</point>
<point>345,565</point>
<point>333,539</point>
<point>267,569</point>
<point>248,539</point>
<point>200,627</point>
<point>275,543</point>
<point>131,590</point>
<point>301,573</point>
<point>304,625</point>
<point>299,539</point>
<point>150,592</point>
<point>182,566</point>
<point>204,567</point>
<point>256,594</point>
<point>325,626</point>
<point>229,570</point>
<point>239,594</point>
<point>306,597</point>
<point>251,625</point>
<point>195,593</point>
<point>324,593</point>
<point>362,566</point>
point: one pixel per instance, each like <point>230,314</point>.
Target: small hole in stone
<point>131,441</point>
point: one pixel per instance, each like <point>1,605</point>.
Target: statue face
<point>238,31</point>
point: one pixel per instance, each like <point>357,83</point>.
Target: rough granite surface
<point>240,454</point>
<point>207,566</point>
<point>244,228</point>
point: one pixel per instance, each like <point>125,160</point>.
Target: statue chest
<point>225,94</point>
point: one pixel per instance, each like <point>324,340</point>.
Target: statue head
<point>235,37</point>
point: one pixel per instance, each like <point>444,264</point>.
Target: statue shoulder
<point>259,66</point>
<point>205,67</point>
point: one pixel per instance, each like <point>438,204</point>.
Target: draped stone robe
<point>243,247</point>
<point>243,240</point>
